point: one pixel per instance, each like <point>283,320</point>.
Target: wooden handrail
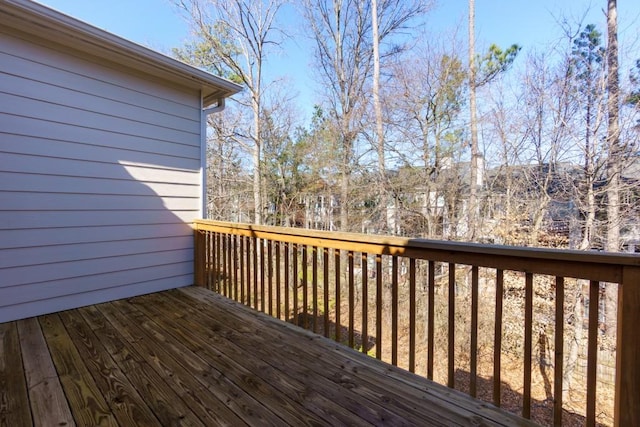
<point>238,261</point>
<point>604,267</point>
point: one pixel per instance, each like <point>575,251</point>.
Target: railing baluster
<point>232,282</point>
<point>229,238</point>
<point>431,318</point>
<point>256,294</point>
<point>225,274</point>
<point>412,315</point>
<point>394,310</point>
<point>314,280</point>
<point>270,275</point>
<point>241,257</point>
<point>248,265</point>
<point>262,271</point>
<point>229,272</point>
<point>497,339</point>
<point>451,325</point>
<point>233,276</point>
<point>210,265</point>
<point>325,271</point>
<point>365,302</point>
<point>211,276</point>
<point>338,285</point>
<point>474,332</point>
<point>217,257</point>
<point>559,353</point>
<point>351,299</point>
<point>278,282</point>
<point>295,285</point>
<point>528,340</point>
<point>256,272</point>
<point>378,306</point>
<point>592,351</point>
<point>212,247</point>
<point>287,282</point>
<point>305,285</point>
<point>222,258</point>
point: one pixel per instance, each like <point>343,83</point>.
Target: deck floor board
<point>367,401</point>
<point>14,400</point>
<point>192,357</point>
<point>45,391</point>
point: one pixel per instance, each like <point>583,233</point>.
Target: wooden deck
<point>192,357</point>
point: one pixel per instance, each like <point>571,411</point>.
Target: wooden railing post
<point>627,404</point>
<point>198,257</point>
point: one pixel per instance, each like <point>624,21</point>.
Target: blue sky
<point>530,23</point>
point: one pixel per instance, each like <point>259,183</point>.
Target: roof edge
<point>42,21</point>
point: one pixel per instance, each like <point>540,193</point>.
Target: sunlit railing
<point>449,310</point>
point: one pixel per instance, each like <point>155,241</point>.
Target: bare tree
<point>428,88</point>
<point>482,70</point>
<point>228,185</point>
<point>588,70</point>
<point>342,33</point>
<point>394,15</point>
<point>235,35</point>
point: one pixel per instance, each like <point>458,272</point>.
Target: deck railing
<point>450,309</point>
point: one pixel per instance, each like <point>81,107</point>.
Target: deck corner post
<point>198,256</point>
<point>627,400</point>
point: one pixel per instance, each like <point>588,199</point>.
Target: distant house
<point>101,163</point>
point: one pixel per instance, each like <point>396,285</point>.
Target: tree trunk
<point>590,220</point>
<point>257,175</point>
<point>377,106</point>
<point>613,132</point>
<point>344,190</point>
<point>473,189</point>
<point>614,167</point>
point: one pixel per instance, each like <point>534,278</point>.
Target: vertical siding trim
<point>203,159</point>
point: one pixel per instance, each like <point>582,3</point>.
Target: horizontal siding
<point>97,168</point>
<point>83,144</point>
<point>99,180</point>
<point>71,78</point>
<point>13,220</point>
<point>35,274</point>
<point>44,110</point>
<point>80,100</point>
<point>24,182</point>
<point>38,51</point>
<point>87,283</point>
<point>78,202</point>
<point>72,235</point>
<point>49,255</point>
<point>111,292</point>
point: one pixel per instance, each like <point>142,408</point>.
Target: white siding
<point>99,180</point>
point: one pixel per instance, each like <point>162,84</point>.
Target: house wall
<point>99,179</point>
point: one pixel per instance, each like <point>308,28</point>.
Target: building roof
<point>32,18</point>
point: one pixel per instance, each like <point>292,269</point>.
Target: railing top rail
<point>568,263</point>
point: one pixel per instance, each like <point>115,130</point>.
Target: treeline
<point>412,135</point>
